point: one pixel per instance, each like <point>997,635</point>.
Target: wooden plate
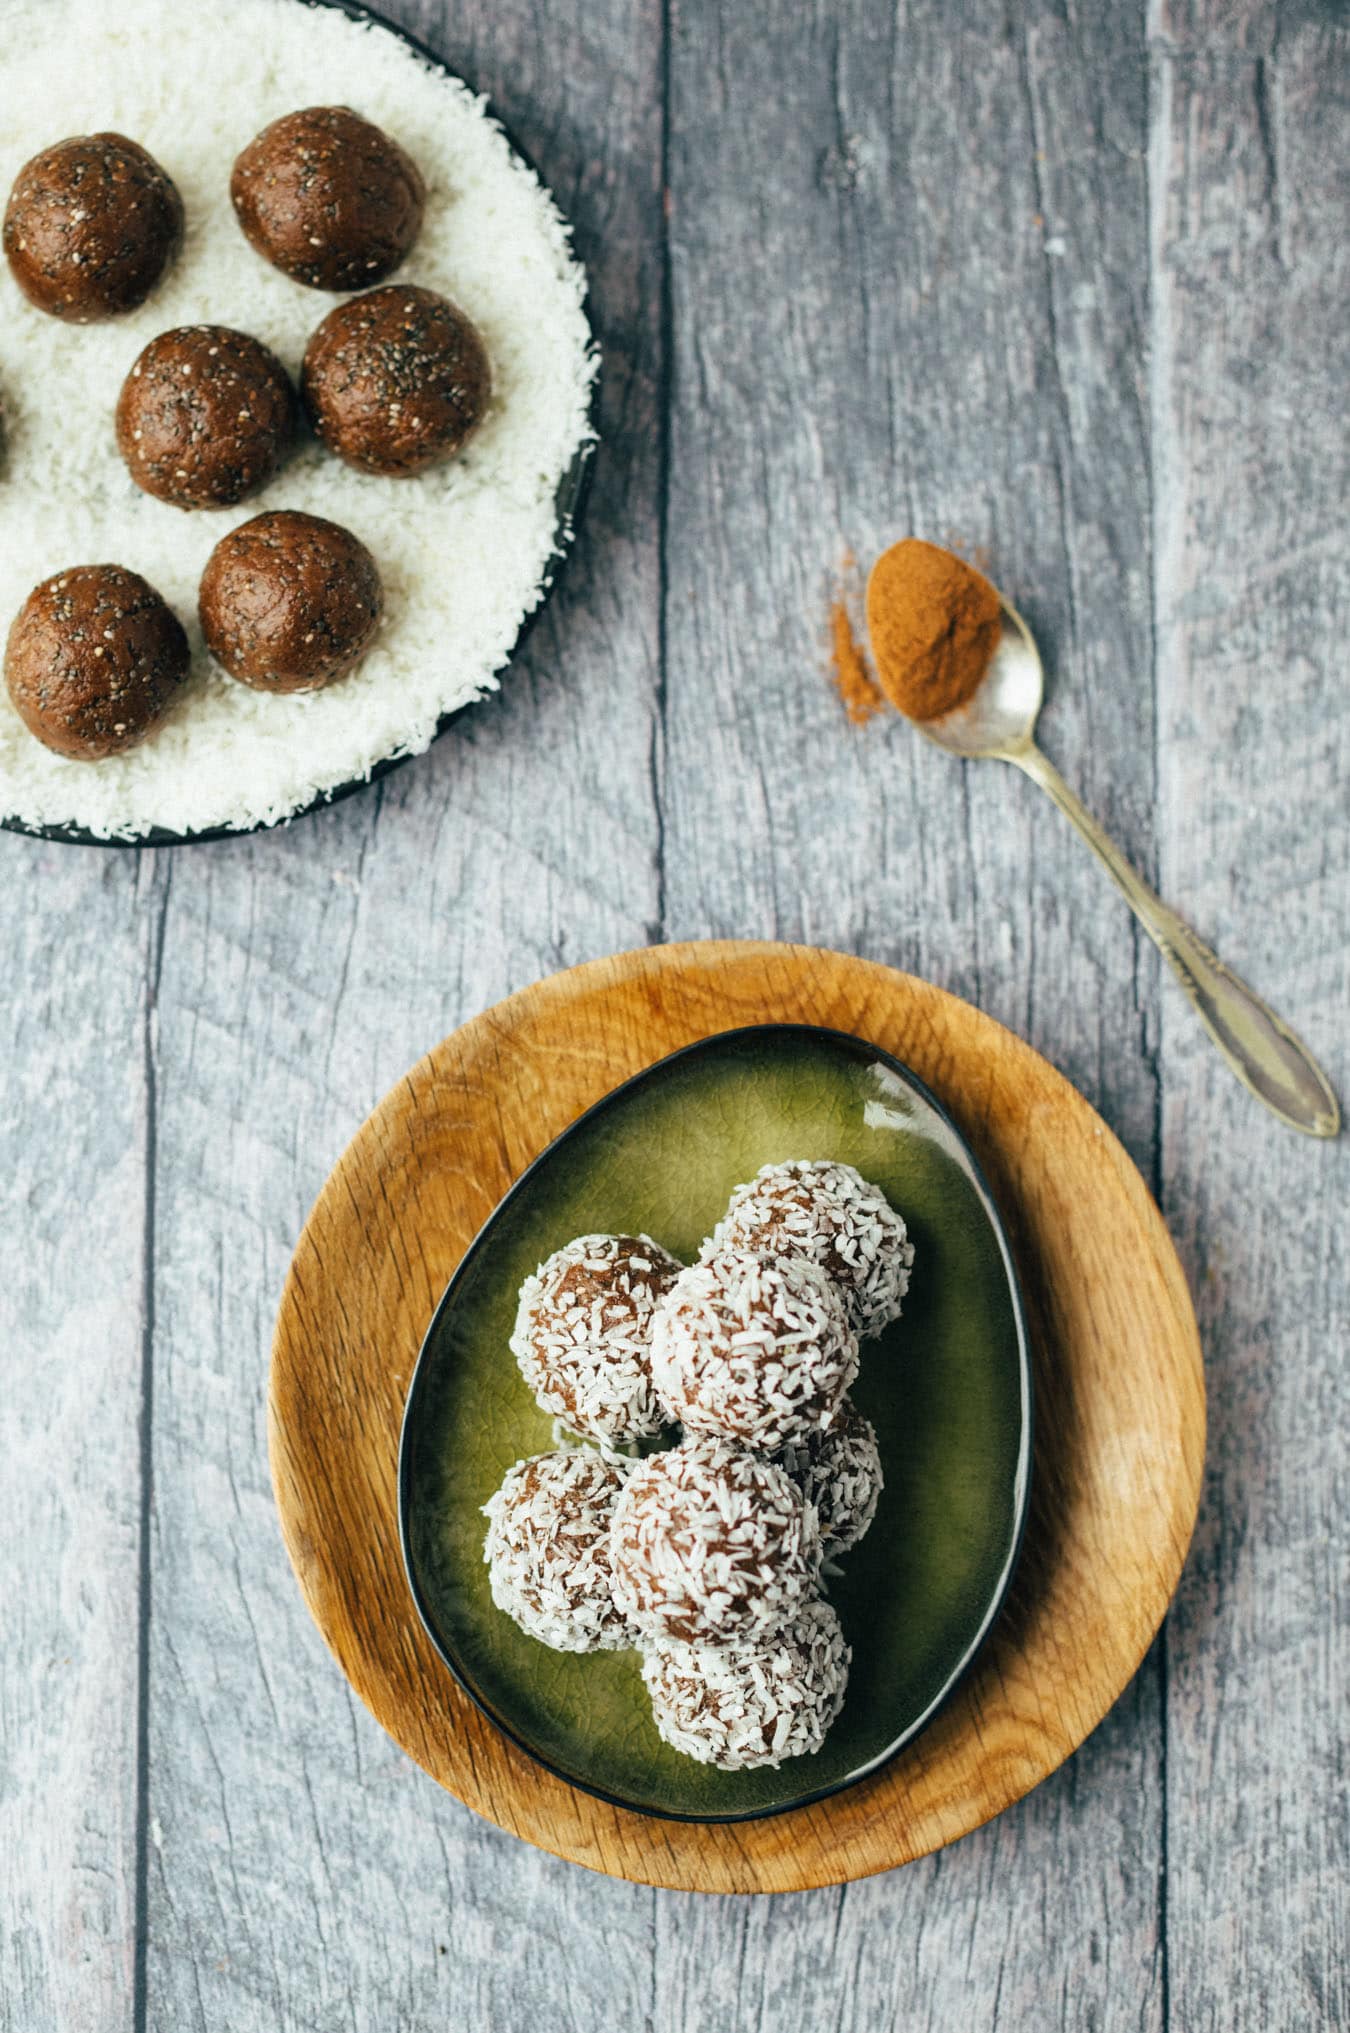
<point>1119,1396</point>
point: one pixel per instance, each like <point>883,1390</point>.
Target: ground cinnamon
<point>934,622</point>
<point>853,681</point>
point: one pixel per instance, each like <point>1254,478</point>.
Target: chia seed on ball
<point>547,1550</point>
<point>831,1214</point>
<point>396,380</point>
<point>91,225</point>
<point>204,416</point>
<point>751,1703</point>
<point>583,1334</point>
<point>710,1543</point>
<point>758,1350</point>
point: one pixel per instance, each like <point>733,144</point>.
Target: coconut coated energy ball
<point>289,602</point>
<point>710,1543</point>
<point>583,1334</point>
<point>751,1702</point>
<point>91,225</point>
<point>94,660</point>
<point>758,1350</point>
<point>547,1550</point>
<point>329,199</point>
<point>831,1214</point>
<point>396,380</point>
<point>839,1472</point>
<point>204,416</point>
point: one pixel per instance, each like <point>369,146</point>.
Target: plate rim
<point>570,499</point>
<point>1022,1474</point>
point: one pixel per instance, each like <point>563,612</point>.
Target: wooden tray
<point>1120,1416</point>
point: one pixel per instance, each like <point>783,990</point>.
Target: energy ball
<point>204,416</point>
<point>839,1472</point>
<point>547,1550</point>
<point>710,1543</point>
<point>91,225</point>
<point>831,1214</point>
<point>583,1333</point>
<point>289,602</point>
<point>94,660</point>
<point>755,1702</point>
<point>396,380</point>
<point>761,1351</point>
<point>328,199</point>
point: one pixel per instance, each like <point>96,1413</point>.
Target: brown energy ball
<point>91,225</point>
<point>93,661</point>
<point>709,1543</point>
<point>204,416</point>
<point>289,602</point>
<point>830,1213</point>
<point>583,1332</point>
<point>752,1703</point>
<point>839,1472</point>
<point>547,1550</point>
<point>328,199</point>
<point>396,380</point>
<point>759,1350</point>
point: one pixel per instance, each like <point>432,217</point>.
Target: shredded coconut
<point>831,1214</point>
<point>583,1334</point>
<point>710,1542</point>
<point>760,1350</point>
<point>547,1550</point>
<point>741,1705</point>
<point>463,550</point>
<point>838,1471</point>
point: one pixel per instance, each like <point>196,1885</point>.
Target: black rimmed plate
<point>948,1389</point>
<point>569,502</point>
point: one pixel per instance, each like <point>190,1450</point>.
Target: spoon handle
<point>1260,1048</point>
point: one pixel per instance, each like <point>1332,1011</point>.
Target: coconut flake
<point>547,1550</point>
<point>743,1705</point>
<point>582,1336</point>
<point>839,1472</point>
<point>829,1213</point>
<point>759,1350</point>
<point>708,1541</point>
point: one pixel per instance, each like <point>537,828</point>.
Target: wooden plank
<point>77,927</point>
<point>305,1875</point>
<point>995,1922</point>
<point>909,268</point>
<point>1252,361</point>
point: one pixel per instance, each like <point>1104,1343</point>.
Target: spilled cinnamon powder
<point>853,680</point>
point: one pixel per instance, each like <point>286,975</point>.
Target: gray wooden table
<point>1068,283</point>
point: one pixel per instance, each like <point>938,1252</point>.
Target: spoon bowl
<point>1000,720</point>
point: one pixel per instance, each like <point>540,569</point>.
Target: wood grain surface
<point>1119,1427</point>
<point>1069,284</point>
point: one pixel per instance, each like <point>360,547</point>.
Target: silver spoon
<point>1000,721</point>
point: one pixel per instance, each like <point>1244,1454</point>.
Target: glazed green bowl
<point>948,1388</point>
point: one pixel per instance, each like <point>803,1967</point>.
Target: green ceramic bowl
<point>948,1389</point>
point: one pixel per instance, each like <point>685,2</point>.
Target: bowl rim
<point>573,492</point>
<point>1022,1474</point>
